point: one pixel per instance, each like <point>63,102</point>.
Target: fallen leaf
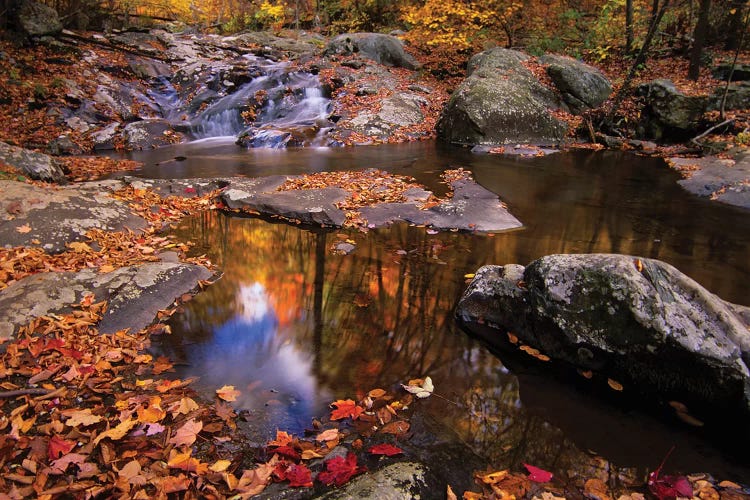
<point>596,490</point>
<point>81,417</point>
<point>58,447</point>
<point>220,466</point>
<point>282,439</point>
<point>328,435</point>
<point>385,449</point>
<point>339,470</point>
<point>420,388</point>
<point>449,495</point>
<point>253,481</point>
<point>397,428</point>
<point>186,462</point>
<point>614,384</point>
<point>24,229</point>
<point>376,393</point>
<point>118,432</point>
<point>228,393</point>
<point>187,434</point>
<point>538,475</point>
<point>346,408</point>
<point>299,476</point>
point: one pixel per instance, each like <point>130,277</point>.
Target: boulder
<point>501,102</point>
<point>383,49</point>
<point>148,134</point>
<point>36,19</point>
<point>635,320</point>
<point>38,166</point>
<point>582,86</point>
<point>397,111</point>
<point>134,294</point>
<point>738,97</point>
<point>668,114</point>
<point>741,72</point>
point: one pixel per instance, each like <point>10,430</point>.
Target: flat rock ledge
<point>134,294</point>
<point>721,179</point>
<point>638,321</point>
<point>472,208</point>
<point>53,217</point>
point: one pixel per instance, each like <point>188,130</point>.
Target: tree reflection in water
<point>291,315</point>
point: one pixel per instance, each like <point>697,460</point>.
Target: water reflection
<point>290,315</point>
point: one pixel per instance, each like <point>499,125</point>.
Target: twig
<point>695,139</point>
<point>113,48</point>
<point>22,392</point>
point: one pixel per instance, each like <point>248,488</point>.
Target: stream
<point>294,326</point>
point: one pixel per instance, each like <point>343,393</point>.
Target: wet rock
<point>399,481</point>
<point>63,145</point>
<point>501,102</point>
<point>582,86</point>
<point>741,72</point>
<point>722,179</point>
<point>635,320</point>
<point>397,111</point>
<point>53,218</point>
<point>36,19</point>
<point>104,138</point>
<point>147,134</point>
<point>149,68</point>
<point>668,114</point>
<point>134,294</point>
<point>38,166</point>
<point>294,44</point>
<point>383,49</point>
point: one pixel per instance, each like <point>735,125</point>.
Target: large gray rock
<point>721,179</point>
<point>134,294</point>
<point>397,111</point>
<point>738,97</point>
<point>37,19</point>
<point>383,49</point>
<point>501,102</point>
<point>38,166</point>
<point>582,86</point>
<point>668,114</point>
<point>399,481</point>
<point>51,218</point>
<point>638,321</point>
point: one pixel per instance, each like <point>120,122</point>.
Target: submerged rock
<point>134,294</point>
<point>638,321</point>
<point>501,102</point>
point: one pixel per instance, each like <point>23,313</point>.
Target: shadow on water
<point>294,326</point>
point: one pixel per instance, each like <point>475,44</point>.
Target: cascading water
<point>272,105</point>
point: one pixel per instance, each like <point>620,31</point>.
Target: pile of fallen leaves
<point>86,168</point>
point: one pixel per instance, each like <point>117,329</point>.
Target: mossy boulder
<point>635,320</point>
<point>501,102</point>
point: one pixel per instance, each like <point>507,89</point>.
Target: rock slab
<point>134,294</point>
<point>37,166</point>
<point>638,321</point>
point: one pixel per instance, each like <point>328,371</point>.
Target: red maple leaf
<point>385,449</point>
<point>339,470</point>
<point>299,476</point>
<point>538,475</point>
<point>346,408</point>
<point>59,447</point>
<point>287,451</point>
<point>668,487</point>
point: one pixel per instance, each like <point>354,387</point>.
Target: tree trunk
<point>699,39</point>
<point>628,26</point>
<point>735,25</point>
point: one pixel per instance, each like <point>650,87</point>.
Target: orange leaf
<point>184,461</point>
<point>228,393</point>
<point>24,229</point>
<point>346,408</point>
<point>58,447</point>
<point>282,439</point>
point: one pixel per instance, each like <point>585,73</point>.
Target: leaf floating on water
<point>346,408</point>
<point>420,388</point>
<point>586,374</point>
<point>228,393</point>
<point>449,495</point>
<point>385,449</point>
<point>538,475</point>
<point>512,338</point>
<point>614,384</point>
<point>668,487</point>
<point>23,229</point>
<point>689,419</point>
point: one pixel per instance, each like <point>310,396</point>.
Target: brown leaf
<point>228,393</point>
<point>254,481</point>
<point>187,434</point>
<point>596,490</point>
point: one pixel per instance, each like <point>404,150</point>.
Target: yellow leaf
<point>79,247</point>
<point>118,432</point>
<point>82,417</point>
<point>220,466</point>
<point>228,393</point>
<point>184,461</point>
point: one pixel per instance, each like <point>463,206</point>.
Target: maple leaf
<point>183,407</point>
<point>253,481</point>
<point>339,470</point>
<point>228,393</point>
<point>152,413</point>
<point>538,475</point>
<point>346,408</point>
<point>299,476</point>
<point>385,449</point>
<point>668,487</point>
<point>420,388</point>
<point>24,229</point>
<point>58,447</point>
<point>187,434</point>
<point>58,466</point>
<point>282,439</point>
